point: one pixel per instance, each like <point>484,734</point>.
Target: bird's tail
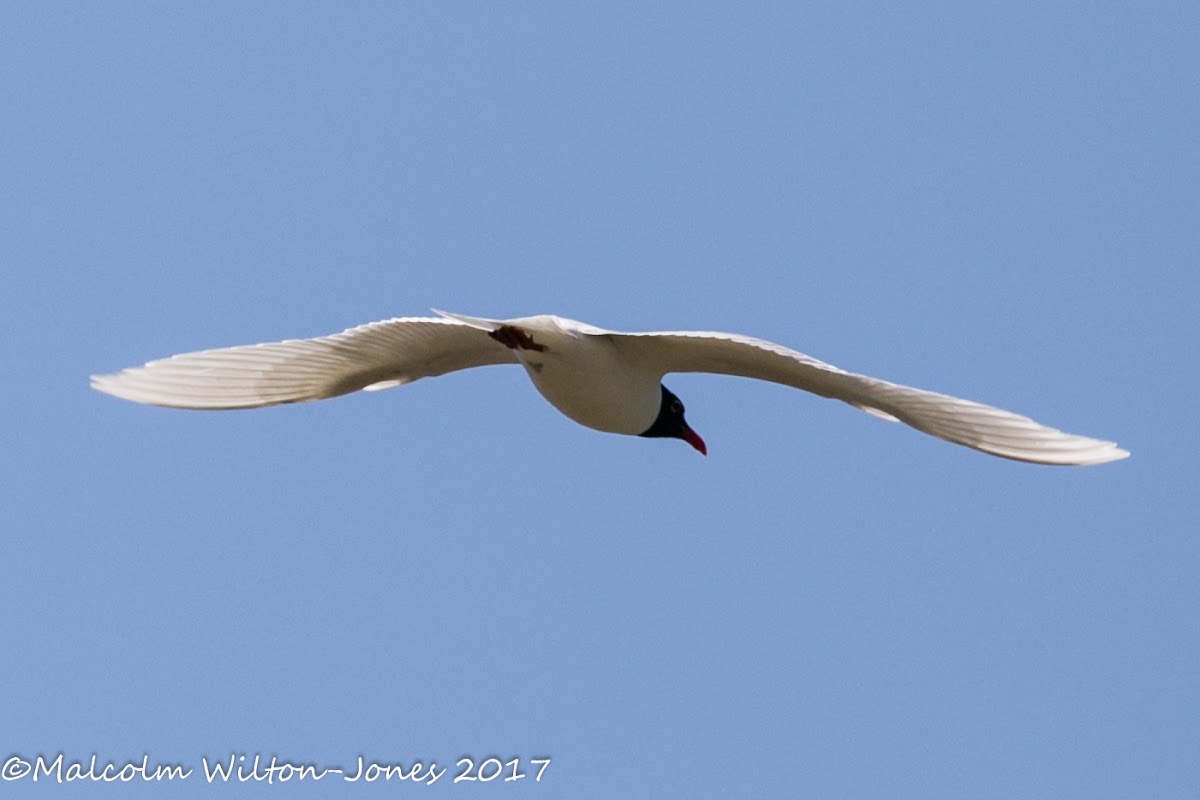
<point>475,322</point>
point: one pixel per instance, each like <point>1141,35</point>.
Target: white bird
<point>602,379</point>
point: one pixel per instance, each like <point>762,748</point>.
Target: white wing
<point>374,356</point>
<point>991,430</point>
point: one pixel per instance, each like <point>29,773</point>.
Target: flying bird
<point>602,379</point>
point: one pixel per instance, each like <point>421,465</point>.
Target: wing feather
<point>377,355</point>
<point>975,425</point>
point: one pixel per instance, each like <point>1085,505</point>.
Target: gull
<point>602,379</point>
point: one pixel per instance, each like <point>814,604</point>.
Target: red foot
<point>514,338</point>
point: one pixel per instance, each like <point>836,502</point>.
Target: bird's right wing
<point>975,425</point>
<point>377,355</point>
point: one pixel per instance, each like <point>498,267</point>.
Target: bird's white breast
<point>584,376</point>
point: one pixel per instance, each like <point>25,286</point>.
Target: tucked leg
<point>514,338</point>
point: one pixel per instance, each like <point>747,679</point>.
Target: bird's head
<point>671,424</point>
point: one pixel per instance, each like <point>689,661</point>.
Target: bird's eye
<point>676,407</point>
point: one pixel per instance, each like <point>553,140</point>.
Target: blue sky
<point>996,201</point>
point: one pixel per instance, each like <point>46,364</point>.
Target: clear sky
<point>997,201</point>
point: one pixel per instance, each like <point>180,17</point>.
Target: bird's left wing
<point>975,425</point>
<point>378,355</point>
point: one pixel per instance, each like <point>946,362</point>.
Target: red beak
<point>693,438</point>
